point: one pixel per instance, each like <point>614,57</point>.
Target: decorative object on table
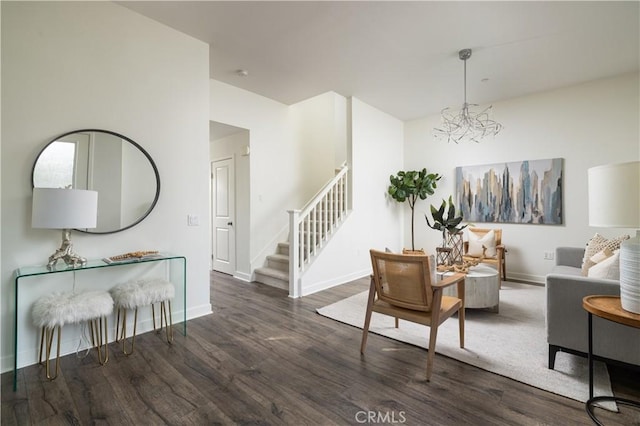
<point>54,310</point>
<point>514,192</point>
<point>64,209</point>
<point>451,231</point>
<point>132,256</point>
<point>133,295</point>
<point>614,202</point>
<point>459,267</point>
<point>486,245</point>
<point>412,186</point>
<point>467,124</point>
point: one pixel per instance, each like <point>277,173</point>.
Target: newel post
<point>294,254</point>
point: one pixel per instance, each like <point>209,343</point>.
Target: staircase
<point>309,230</point>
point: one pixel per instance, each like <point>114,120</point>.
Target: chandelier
<point>467,124</point>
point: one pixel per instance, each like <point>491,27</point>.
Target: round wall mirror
<point>120,170</point>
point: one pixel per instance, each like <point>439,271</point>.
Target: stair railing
<point>311,227</point>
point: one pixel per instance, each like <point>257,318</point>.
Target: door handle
<point>230,223</point>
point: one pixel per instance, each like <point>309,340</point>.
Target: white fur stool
<point>134,294</point>
<point>54,310</point>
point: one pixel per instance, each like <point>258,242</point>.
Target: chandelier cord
<point>465,81</point>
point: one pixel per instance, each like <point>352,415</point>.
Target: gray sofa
<point>567,321</point>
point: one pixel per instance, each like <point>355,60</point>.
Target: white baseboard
<point>242,276</point>
<point>526,278</point>
<point>316,287</point>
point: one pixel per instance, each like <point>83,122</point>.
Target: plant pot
<point>419,252</point>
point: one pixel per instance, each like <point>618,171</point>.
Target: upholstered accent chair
<point>486,245</point>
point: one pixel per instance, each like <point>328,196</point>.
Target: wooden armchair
<point>496,258</point>
<point>405,287</point>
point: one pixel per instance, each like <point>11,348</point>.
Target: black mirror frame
<point>144,152</point>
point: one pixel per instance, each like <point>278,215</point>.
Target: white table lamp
<point>64,209</point>
<point>614,202</point>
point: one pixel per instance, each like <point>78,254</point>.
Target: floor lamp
<point>614,201</point>
<point>64,209</point>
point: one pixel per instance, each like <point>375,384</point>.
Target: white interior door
<point>223,217</point>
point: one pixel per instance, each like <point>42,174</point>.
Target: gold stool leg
<point>99,337</point>
<point>49,339</point>
<point>124,331</point>
<point>168,322</point>
<point>153,316</point>
<point>91,332</point>
<point>41,345</point>
<point>117,337</point>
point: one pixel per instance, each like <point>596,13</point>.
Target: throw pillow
<point>601,255</point>
<point>609,268</point>
<point>597,244</point>
<point>478,243</point>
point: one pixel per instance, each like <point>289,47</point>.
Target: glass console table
<point>41,270</point>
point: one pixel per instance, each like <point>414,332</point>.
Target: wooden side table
<point>609,308</point>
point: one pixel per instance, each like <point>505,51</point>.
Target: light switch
<point>193,220</point>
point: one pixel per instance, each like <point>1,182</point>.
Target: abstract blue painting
<point>514,192</point>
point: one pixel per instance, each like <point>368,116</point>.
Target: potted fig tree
<point>411,186</point>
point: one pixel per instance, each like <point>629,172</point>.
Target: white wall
<point>586,125</point>
<point>376,148</point>
<point>319,129</point>
<point>233,146</point>
<point>72,65</point>
<point>272,164</point>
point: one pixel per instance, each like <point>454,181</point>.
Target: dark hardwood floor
<point>264,359</point>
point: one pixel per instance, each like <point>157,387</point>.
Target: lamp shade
<point>55,208</point>
<point>614,195</point>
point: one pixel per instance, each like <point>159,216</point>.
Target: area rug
<point>511,343</point>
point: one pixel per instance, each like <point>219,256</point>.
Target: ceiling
<point>402,57</point>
